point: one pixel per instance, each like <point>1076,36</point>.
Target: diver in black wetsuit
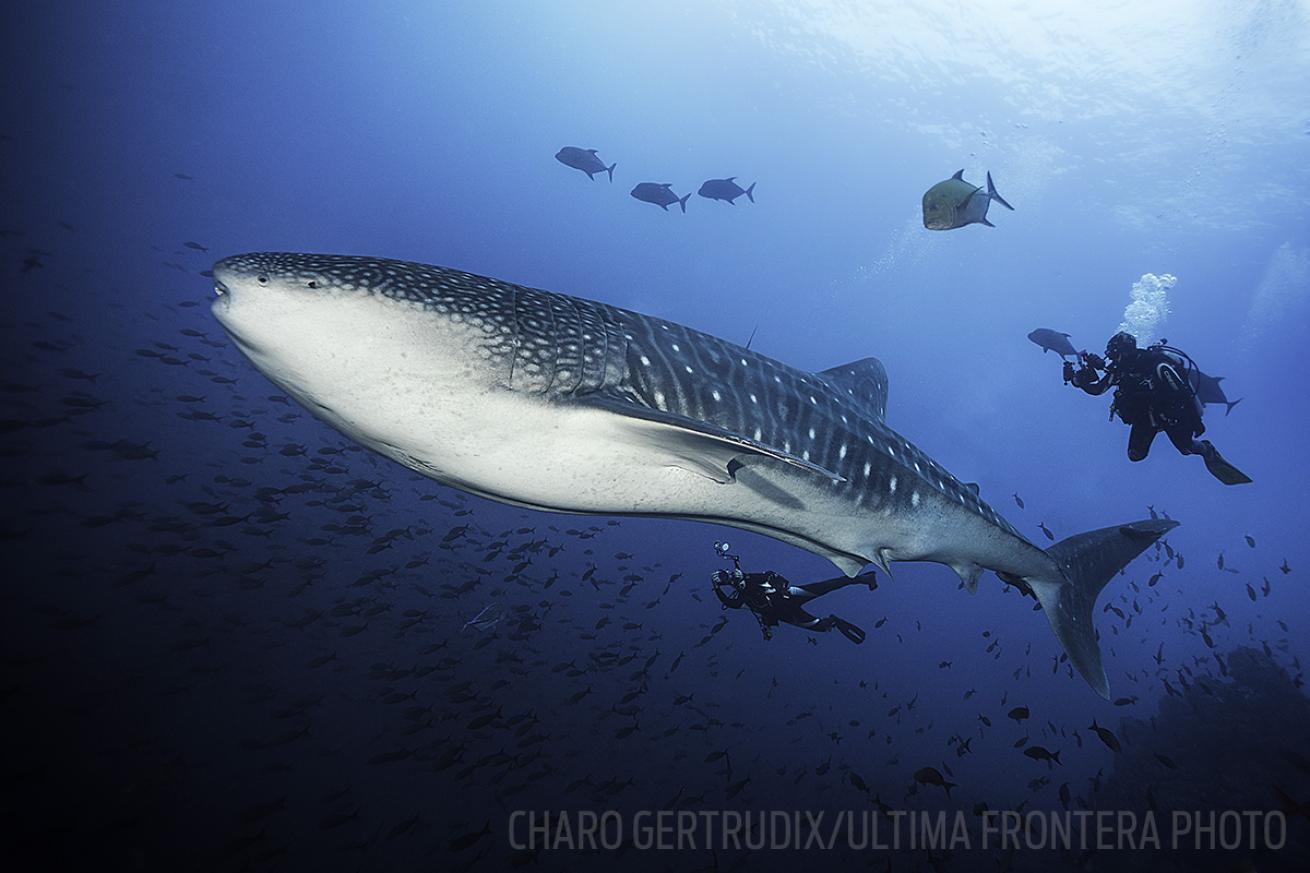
<point>773,600</point>
<point>1155,390</point>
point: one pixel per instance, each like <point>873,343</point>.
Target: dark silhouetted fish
<point>584,160</point>
<point>465,841</point>
<point>1110,740</point>
<point>1053,341</point>
<point>726,189</point>
<point>1290,805</point>
<point>659,193</point>
<point>735,788</point>
<point>1041,753</point>
<point>933,776</point>
<point>957,203</point>
<point>1209,391</point>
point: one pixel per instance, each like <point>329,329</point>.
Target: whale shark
<point>554,402</point>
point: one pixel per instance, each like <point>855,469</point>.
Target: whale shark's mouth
<point>222,304</point>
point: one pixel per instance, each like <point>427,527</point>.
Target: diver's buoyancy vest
<point>1158,382</point>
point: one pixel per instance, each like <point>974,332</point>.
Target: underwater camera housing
<point>722,549</point>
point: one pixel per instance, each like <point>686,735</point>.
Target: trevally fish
<point>659,193</point>
<point>1053,341</point>
<point>584,160</point>
<point>957,203</point>
<point>726,189</point>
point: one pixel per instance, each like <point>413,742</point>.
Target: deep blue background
<point>1128,142</point>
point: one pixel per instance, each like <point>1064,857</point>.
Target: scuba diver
<point>773,600</point>
<point>1155,390</point>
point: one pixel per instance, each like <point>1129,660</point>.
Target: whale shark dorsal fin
<point>863,381</point>
<point>959,174</point>
<point>972,486</point>
<point>695,445</point>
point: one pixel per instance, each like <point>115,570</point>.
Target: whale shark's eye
<point>312,284</point>
<point>263,280</point>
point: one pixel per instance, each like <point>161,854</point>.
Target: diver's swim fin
<point>852,632</point>
<point>1224,471</point>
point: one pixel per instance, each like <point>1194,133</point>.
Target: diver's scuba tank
<point>1180,374</point>
<point>1189,367</point>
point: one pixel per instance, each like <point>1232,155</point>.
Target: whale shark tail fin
<point>610,170</point>
<point>1088,561</point>
<point>683,203</point>
<point>1229,404</point>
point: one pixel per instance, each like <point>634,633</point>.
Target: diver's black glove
<point>1068,372</point>
<point>725,578</point>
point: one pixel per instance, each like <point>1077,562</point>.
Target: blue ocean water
<point>235,639</point>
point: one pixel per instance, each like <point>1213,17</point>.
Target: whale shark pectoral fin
<point>739,469</point>
<point>699,446</point>
<point>848,563</point>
